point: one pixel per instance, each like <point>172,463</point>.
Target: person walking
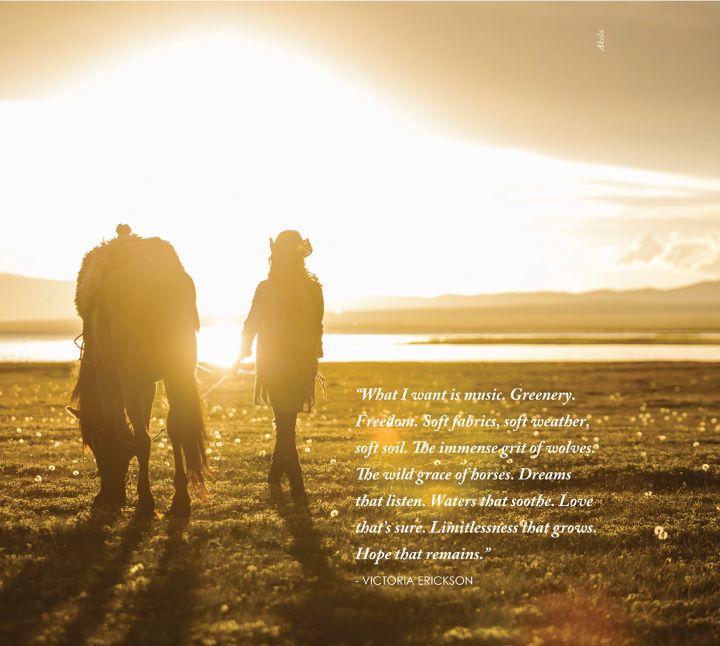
<point>286,316</point>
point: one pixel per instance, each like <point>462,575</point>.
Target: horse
<point>140,321</point>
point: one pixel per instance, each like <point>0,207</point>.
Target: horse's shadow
<point>76,568</point>
<point>327,608</point>
<point>164,610</point>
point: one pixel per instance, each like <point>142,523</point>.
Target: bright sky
<point>217,140</point>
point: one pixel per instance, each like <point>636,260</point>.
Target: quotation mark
<point>600,40</point>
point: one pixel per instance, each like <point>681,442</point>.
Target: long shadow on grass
<point>100,591</point>
<point>326,608</point>
<point>163,613</point>
<point>77,564</point>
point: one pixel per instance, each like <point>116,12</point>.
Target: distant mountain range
<point>691,308</point>
<point>29,304</point>
<point>705,292</point>
<point>26,299</point>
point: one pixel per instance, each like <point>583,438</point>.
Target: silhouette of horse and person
<point>140,322</point>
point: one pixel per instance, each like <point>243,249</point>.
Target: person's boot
<point>295,477</point>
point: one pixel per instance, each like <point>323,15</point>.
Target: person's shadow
<point>328,609</point>
<point>80,565</point>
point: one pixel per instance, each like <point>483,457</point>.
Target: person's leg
<point>277,466</point>
<point>285,454</point>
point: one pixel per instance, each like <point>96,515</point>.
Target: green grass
<point>245,570</point>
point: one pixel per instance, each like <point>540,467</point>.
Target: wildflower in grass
<point>251,568</point>
<point>509,460</point>
<point>224,608</point>
<point>436,463</point>
<point>334,513</point>
<point>208,451</point>
<point>21,441</point>
<point>76,472</point>
<point>638,434</point>
<point>659,529</point>
<point>162,445</point>
<point>38,478</point>
<point>648,493</point>
<point>138,567</point>
<point>662,536</point>
<point>262,454</point>
<point>643,454</point>
<point>266,436</point>
<point>307,449</point>
<point>237,440</point>
<point>38,434</point>
<point>596,446</point>
<point>596,439</point>
<point>705,467</point>
<point>51,467</point>
<point>333,461</point>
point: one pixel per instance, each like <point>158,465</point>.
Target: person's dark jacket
<point>286,315</point>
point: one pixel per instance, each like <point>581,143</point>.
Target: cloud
<point>676,252</point>
<point>713,267</point>
<point>645,250</point>
<point>687,254</point>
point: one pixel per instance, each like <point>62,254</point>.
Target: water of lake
<point>219,345</point>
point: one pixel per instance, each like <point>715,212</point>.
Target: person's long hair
<point>290,271</point>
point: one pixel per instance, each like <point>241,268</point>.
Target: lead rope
<point>321,380</point>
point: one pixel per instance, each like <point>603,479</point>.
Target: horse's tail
<point>186,425</point>
<point>86,397</point>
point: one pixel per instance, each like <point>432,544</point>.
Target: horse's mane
<point>127,248</point>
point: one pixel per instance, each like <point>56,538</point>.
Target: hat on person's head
<point>289,245</point>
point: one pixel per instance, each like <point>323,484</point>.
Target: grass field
<point>249,570</point>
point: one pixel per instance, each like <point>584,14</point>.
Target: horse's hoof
<point>146,510</point>
<point>104,504</point>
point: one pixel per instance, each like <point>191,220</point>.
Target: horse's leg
<point>180,507</point>
<point>138,404</point>
<point>111,456</point>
